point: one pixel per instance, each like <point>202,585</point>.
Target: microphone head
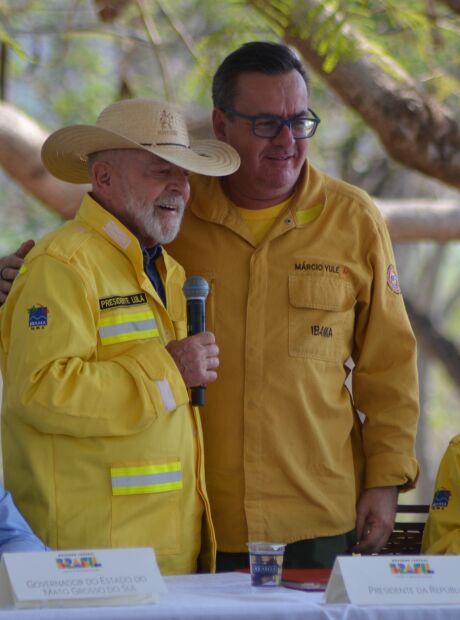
<point>195,287</point>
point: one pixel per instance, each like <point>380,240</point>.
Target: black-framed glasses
<point>269,125</point>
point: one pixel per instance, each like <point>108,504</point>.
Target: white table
<point>229,596</point>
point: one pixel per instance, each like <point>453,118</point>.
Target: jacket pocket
<point>321,318</point>
<point>146,505</point>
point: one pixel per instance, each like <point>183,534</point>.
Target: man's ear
<point>219,124</point>
<point>101,174</point>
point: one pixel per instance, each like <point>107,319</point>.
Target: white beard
<point>151,221</point>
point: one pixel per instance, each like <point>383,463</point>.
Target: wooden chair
<point>406,538</point>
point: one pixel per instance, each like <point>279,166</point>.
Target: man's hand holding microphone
<point>197,355</point>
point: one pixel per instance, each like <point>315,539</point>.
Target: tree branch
<point>416,219</point>
<point>155,40</point>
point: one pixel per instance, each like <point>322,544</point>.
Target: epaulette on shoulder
<point>344,187</point>
<point>67,240</point>
<point>360,197</point>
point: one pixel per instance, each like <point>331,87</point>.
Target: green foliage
<point>49,37</point>
<point>426,46</point>
<point>408,33</point>
<point>62,68</point>
<point>394,34</point>
<point>23,217</point>
<point>226,31</point>
<point>79,94</point>
<point>14,45</point>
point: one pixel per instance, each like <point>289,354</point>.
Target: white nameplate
<point>82,577</point>
<point>395,580</point>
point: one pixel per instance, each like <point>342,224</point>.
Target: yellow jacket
<point>442,529</point>
<point>101,447</point>
<point>279,424</point>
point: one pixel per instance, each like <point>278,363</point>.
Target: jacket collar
<point>306,203</point>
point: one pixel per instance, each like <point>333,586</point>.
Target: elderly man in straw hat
<point>101,445</point>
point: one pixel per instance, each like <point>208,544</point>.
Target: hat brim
<point>65,153</point>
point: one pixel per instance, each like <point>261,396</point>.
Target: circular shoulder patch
<point>393,280</point>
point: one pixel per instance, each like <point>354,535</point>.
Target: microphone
<point>196,290</point>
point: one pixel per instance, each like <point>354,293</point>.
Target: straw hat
<point>135,124</point>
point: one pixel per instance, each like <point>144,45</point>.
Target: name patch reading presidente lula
<point>122,300</point>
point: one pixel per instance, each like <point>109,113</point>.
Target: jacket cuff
<point>390,469</point>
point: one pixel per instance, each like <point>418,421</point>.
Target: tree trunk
<point>21,140</point>
<point>434,343</point>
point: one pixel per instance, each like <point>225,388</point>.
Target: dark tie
<point>150,268</point>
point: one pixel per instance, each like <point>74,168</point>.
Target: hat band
<point>184,146</point>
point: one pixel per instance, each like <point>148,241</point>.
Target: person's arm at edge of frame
<point>15,533</point>
<point>442,530</point>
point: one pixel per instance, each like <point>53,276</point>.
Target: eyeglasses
<point>270,125</point>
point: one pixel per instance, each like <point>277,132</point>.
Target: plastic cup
<point>266,562</point>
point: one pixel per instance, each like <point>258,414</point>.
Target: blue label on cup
<point>266,569</point>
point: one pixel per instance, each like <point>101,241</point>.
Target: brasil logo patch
<point>393,280</point>
<point>441,498</point>
<point>38,317</point>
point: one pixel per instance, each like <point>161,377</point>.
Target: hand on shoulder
<point>9,267</point>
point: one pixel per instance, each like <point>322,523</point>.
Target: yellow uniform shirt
<point>284,453</point>
<point>101,447</point>
<point>442,529</point>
